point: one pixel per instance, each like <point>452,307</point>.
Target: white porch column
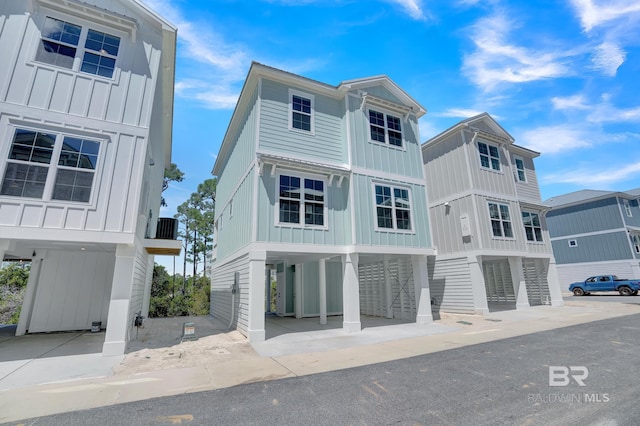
<point>350,293</point>
<point>118,321</point>
<point>388,287</point>
<point>553,282</point>
<point>477,285</point>
<point>297,284</point>
<point>30,293</point>
<point>519,283</point>
<point>322,290</point>
<point>421,285</point>
<point>255,321</point>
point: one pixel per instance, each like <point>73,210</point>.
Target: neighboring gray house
<point>321,186</point>
<point>595,233</point>
<point>488,221</point>
<point>86,110</point>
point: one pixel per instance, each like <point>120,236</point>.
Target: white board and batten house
<point>595,232</point>
<point>86,101</point>
<point>488,221</point>
<point>320,189</point>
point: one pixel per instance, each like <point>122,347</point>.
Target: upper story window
<point>489,156</point>
<point>522,177</point>
<point>393,208</point>
<point>50,166</point>
<point>635,239</point>
<point>385,128</point>
<point>301,111</point>
<point>573,243</point>
<point>300,198</point>
<point>62,42</point>
<point>532,227</point>
<point>500,220</point>
<point>627,208</point>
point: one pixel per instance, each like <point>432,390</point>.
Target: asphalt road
<point>502,382</point>
<point>607,296</point>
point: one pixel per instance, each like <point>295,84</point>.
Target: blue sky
<point>562,77</point>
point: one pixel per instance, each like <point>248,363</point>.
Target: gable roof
<point>469,123</point>
<point>587,195</point>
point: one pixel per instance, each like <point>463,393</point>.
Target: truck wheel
<point>625,291</point>
<point>578,291</point>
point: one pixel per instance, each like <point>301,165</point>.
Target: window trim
<point>302,177</point>
<point>385,113</point>
<point>312,115</point>
<point>395,229</point>
<point>534,241</point>
<point>627,207</point>
<point>489,157</point>
<point>572,243</point>
<point>503,237</point>
<point>518,170</point>
<point>86,24</point>
<point>47,195</point>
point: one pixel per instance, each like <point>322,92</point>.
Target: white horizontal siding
<point>450,285</point>
<point>222,279</point>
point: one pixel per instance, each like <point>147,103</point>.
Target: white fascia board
<point>19,233</point>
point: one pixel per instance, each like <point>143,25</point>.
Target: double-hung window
<point>635,238</point>
<point>500,220</point>
<point>63,41</point>
<point>532,227</point>
<point>522,177</point>
<point>50,166</point>
<point>300,111</point>
<point>385,128</point>
<point>489,156</point>
<point>393,208</point>
<point>301,201</point>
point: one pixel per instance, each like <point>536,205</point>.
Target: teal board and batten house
<point>494,250</point>
<point>595,233</point>
<point>321,190</point>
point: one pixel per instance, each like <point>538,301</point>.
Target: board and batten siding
<point>222,279</point>
<point>450,285</point>
<point>634,206</point>
<point>243,152</point>
<point>326,144</point>
<point>489,180</point>
<point>528,190</point>
<point>447,227</point>
<point>593,248</point>
<point>126,99</point>
<point>337,232</point>
<point>237,226</point>
<point>445,167</point>
<point>378,156</point>
<point>366,219</point>
<point>517,243</point>
<point>588,217</point>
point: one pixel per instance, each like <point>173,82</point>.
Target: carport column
<point>388,287</point>
<point>350,293</point>
<point>117,334</point>
<point>554,284</point>
<point>297,285</point>
<point>322,289</point>
<point>30,293</point>
<point>519,284</point>
<point>477,285</point>
<point>255,321</point>
<point>421,286</point>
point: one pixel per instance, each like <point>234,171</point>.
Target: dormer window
<point>63,41</point>
<point>385,128</point>
<point>489,156</point>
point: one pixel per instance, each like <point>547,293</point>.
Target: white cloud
<point>496,60</point>
<point>413,8</point>
<point>607,58</point>
<point>427,129</point>
<point>571,102</point>
<point>555,139</point>
<point>594,13</point>
<point>587,177</point>
<point>460,112</point>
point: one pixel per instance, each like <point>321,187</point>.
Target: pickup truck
<point>606,283</point>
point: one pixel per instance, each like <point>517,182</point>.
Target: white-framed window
<point>301,201</point>
<point>301,111</point>
<point>627,208</point>
<point>635,240</point>
<point>50,166</point>
<point>520,173</point>
<point>385,128</point>
<point>532,227</point>
<point>393,207</point>
<point>489,156</point>
<point>500,220</point>
<point>573,243</point>
<point>62,42</point>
